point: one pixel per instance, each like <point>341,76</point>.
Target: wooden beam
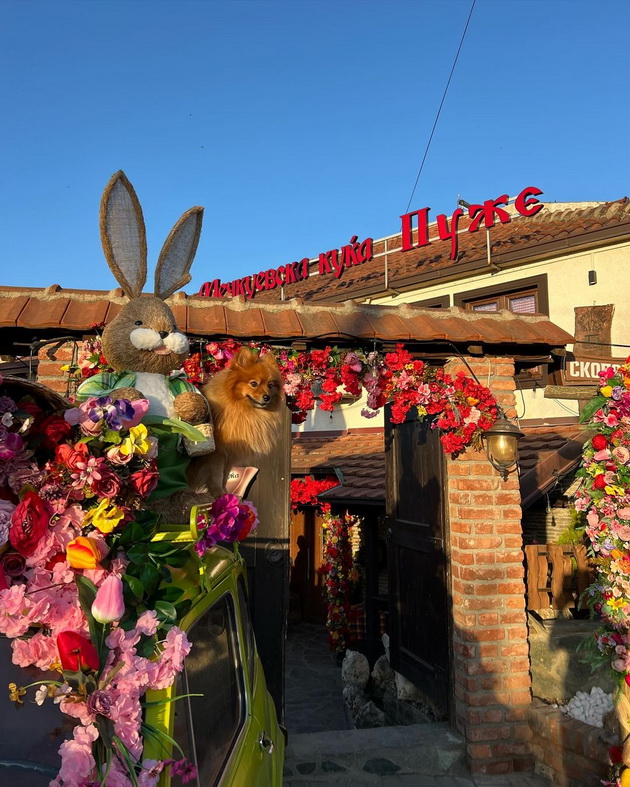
<point>580,392</point>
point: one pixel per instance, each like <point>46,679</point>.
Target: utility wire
<point>437,117</point>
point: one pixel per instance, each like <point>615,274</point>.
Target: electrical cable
<point>437,117</point>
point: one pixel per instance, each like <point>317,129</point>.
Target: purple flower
<point>7,405</point>
<point>182,768</point>
<point>100,702</point>
<point>11,445</point>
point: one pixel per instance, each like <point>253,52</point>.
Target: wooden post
<point>266,554</point>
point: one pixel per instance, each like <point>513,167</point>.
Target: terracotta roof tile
<point>78,311</point>
<point>11,308</point>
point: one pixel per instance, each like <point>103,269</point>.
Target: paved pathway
<point>324,750</point>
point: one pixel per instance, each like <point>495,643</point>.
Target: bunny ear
<point>123,235</point>
<point>178,253</point>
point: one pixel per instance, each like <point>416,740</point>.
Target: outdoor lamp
<point>502,445</point>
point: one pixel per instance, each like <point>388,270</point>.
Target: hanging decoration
<point>305,491</point>
<point>338,575</point>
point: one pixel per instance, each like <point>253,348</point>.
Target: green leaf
<point>132,534</point>
<point>166,612</point>
<point>146,647</point>
<point>138,553</point>
<point>170,594</point>
<point>134,585</point>
<point>150,579</point>
<point>161,736</point>
<point>178,559</point>
<point>110,436</point>
<point>590,408</point>
<point>183,607</point>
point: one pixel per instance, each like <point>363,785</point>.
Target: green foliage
<point>574,533</point>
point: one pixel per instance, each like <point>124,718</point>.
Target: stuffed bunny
<point>142,343</point>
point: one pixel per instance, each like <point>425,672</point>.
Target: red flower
<point>69,455</point>
<point>599,442</point>
<point>76,652</point>
<point>616,752</point>
<point>108,485</point>
<point>599,482</point>
<point>29,522</point>
<point>144,481</point>
<point>55,430</point>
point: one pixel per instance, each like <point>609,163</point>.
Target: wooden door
<point>306,558</point>
<point>418,608</point>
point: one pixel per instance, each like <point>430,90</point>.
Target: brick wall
<point>491,677</point>
<point>568,752</point>
<point>51,359</point>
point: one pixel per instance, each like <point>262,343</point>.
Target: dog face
<point>255,380</point>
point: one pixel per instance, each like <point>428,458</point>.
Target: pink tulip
<point>109,604</point>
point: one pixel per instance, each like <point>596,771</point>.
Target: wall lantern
<point>502,445</point>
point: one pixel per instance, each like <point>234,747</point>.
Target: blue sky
<point>296,124</point>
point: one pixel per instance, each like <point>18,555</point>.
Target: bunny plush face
<point>144,338</point>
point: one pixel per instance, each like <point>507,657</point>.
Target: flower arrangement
<point>338,575</point>
<point>85,591</point>
<point>304,491</point>
<point>463,409</point>
<point>604,497</point>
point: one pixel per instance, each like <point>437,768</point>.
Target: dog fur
<point>246,400</point>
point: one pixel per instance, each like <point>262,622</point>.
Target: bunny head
<point>143,337</point>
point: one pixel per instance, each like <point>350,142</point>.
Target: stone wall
<point>490,647</point>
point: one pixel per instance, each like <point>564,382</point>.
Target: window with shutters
<point>526,296</point>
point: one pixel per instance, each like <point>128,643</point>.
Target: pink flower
<point>602,455</point>
<point>77,762</point>
<point>109,604</point>
<point>621,454</point>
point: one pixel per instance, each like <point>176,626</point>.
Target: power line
<point>437,117</point>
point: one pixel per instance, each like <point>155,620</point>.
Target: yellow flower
<point>616,603</point>
<point>606,391</point>
<point>614,490</point>
<point>421,410</point>
<point>472,401</point>
<point>103,517</point>
<point>16,693</point>
<point>137,442</point>
<point>625,778</point>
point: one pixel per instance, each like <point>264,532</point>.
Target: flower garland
<point>82,589</point>
<point>463,408</point>
<point>338,575</point>
<point>604,497</point>
<point>304,491</point>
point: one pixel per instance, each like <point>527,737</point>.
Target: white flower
<point>7,419</point>
<point>41,694</point>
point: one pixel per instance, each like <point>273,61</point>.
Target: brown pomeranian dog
<point>246,400</point>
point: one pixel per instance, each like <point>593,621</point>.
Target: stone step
<point>367,756</point>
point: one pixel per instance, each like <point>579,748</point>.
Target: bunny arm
<point>192,407</point>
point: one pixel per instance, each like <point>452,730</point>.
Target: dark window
<point>207,727</point>
<point>250,643</point>
<point>439,302</point>
<point>527,296</point>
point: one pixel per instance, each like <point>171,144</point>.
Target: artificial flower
<point>109,604</point>
<point>83,552</point>
<point>29,522</point>
<point>105,517</point>
<point>76,652</point>
<point>138,441</point>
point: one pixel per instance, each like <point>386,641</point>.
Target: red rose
<point>108,485</point>
<point>599,442</point>
<point>55,430</point>
<point>29,522</point>
<point>143,482</point>
<point>76,652</point>
<point>69,455</point>
<point>599,482</point>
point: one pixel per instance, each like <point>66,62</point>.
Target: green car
<point>231,731</point>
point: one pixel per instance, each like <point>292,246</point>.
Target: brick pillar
<point>491,677</point>
<point>51,358</point>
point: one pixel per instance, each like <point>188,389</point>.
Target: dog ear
<point>242,357</point>
<point>269,359</point>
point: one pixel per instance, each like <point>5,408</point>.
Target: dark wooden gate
<point>419,610</point>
